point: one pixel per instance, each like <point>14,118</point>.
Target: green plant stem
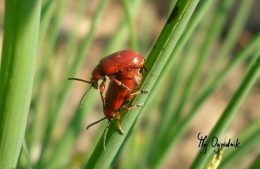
<point>46,13</point>
<point>118,40</point>
<point>256,163</point>
<point>129,20</point>
<point>22,19</point>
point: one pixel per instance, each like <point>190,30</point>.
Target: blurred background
<point>76,34</point>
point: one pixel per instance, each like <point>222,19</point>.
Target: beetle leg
<point>118,124</point>
<point>130,96</point>
<point>121,84</point>
<point>125,108</point>
<point>102,87</point>
<point>105,135</point>
<point>140,92</point>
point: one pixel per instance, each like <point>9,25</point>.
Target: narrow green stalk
<point>200,12</point>
<point>229,113</point>
<point>120,37</point>
<point>71,47</point>
<point>24,159</point>
<point>256,163</point>
<point>257,52</point>
<point>233,35</point>
<point>46,13</point>
<point>22,19</point>
<point>61,7</point>
<point>130,22</point>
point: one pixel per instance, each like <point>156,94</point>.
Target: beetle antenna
<point>81,80</point>
<point>82,98</point>
<point>105,135</point>
<point>95,122</point>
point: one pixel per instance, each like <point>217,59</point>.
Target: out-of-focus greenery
<point>209,65</point>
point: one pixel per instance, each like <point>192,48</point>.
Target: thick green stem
<point>22,19</point>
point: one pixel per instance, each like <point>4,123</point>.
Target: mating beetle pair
<point>124,69</point>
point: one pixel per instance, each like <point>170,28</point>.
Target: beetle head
<point>97,74</point>
<point>94,83</point>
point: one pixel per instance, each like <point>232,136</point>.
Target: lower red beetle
<point>122,88</point>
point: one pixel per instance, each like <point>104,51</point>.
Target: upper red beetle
<point>124,69</point>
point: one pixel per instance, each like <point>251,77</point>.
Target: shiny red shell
<point>121,60</point>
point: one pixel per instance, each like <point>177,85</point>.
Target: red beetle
<point>117,96</point>
<point>111,66</point>
<point>125,70</point>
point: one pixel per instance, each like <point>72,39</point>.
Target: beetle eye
<point>142,70</point>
